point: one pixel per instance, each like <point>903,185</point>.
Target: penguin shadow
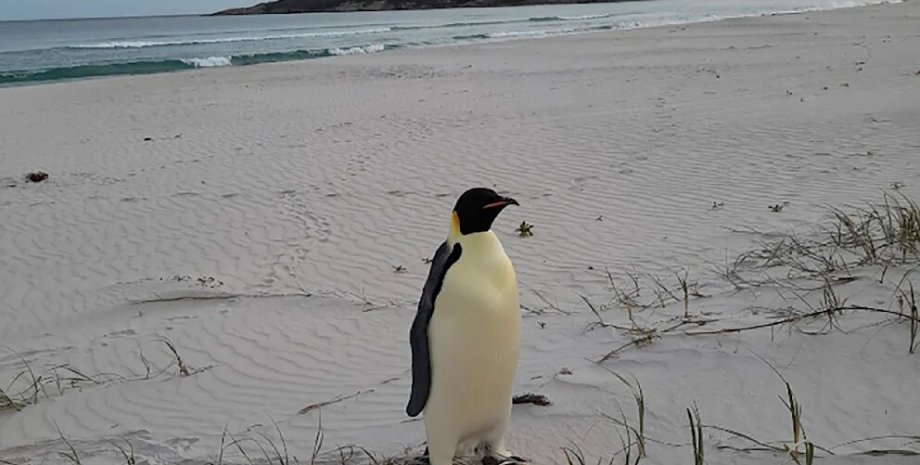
<point>487,459</point>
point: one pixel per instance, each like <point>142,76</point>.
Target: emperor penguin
<point>466,336</point>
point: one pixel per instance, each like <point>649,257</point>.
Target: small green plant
<point>525,229</point>
<point>696,433</point>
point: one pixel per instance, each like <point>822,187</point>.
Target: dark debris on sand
<point>531,398</point>
<point>37,176</point>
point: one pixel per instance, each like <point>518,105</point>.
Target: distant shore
<point>342,6</point>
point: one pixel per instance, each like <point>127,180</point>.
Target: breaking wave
<point>161,66</point>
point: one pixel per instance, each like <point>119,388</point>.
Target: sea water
<point>36,51</point>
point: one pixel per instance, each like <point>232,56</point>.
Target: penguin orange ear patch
<point>454,223</point>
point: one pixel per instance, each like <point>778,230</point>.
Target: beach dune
<point>272,224</point>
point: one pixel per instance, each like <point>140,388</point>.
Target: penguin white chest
<point>475,336</point>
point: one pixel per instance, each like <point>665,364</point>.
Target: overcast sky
<point>41,9</point>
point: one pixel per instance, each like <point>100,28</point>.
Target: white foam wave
<point>167,43</point>
<point>358,50</point>
<point>531,34</point>
<point>209,62</point>
<point>586,17</point>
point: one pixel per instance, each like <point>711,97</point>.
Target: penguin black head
<point>477,208</point>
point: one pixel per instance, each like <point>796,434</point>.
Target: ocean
<point>41,51</point>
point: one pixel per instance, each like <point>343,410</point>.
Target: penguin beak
<point>504,202</point>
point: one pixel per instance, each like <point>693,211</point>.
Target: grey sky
<point>40,9</point>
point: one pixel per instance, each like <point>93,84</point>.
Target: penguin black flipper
<point>418,335</point>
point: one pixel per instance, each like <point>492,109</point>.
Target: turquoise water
<point>37,51</point>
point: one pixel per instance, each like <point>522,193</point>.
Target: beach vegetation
<point>696,434</point>
<point>525,229</point>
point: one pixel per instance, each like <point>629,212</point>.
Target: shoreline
<point>173,66</point>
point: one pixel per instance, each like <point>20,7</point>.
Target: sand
<point>272,223</point>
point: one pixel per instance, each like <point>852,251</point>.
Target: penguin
<point>466,335</point>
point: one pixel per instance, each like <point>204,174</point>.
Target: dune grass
<point>8,403</point>
<point>30,385</point>
<point>886,234</point>
<point>908,300</point>
<point>883,234</point>
<point>696,434</point>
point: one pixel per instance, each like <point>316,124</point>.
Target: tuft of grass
<point>882,233</point>
<point>696,433</point>
<point>35,386</point>
<point>29,385</point>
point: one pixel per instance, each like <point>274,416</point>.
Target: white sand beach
<point>272,222</point>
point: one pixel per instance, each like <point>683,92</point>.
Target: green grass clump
<point>881,233</point>
<point>525,229</point>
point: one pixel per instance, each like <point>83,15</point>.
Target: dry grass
<point>635,389</point>
<point>696,433</point>
<point>30,385</point>
<point>881,234</point>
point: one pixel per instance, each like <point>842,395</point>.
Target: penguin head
<point>477,208</point>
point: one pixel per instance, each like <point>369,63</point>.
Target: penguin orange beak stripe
<point>501,203</point>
